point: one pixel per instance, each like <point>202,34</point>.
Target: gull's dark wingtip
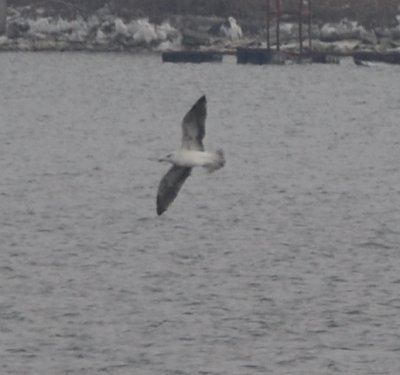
<point>170,185</point>
<point>200,104</point>
<point>160,208</point>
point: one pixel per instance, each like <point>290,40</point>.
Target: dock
<point>261,56</point>
<point>385,57</point>
<point>192,56</point>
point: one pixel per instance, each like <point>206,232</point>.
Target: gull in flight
<point>191,154</point>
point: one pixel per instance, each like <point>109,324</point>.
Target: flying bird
<point>191,154</point>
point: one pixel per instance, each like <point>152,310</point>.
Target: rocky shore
<point>31,29</point>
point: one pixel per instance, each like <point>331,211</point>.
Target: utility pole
<point>309,25</point>
<point>3,16</point>
<point>268,24</point>
<point>301,27</point>
<point>278,23</point>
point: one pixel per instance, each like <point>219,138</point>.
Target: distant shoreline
<point>32,29</point>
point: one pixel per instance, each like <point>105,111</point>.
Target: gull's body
<point>190,155</point>
<point>191,158</point>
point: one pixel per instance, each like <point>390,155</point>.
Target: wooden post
<point>3,16</point>
<point>278,22</point>
<point>301,27</point>
<point>309,26</point>
<point>268,24</point>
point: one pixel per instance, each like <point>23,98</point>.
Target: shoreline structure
<point>31,28</point>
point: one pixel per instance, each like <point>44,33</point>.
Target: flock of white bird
<point>139,31</point>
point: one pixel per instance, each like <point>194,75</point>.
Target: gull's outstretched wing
<point>170,185</point>
<point>194,126</point>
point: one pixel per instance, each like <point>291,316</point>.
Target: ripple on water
<point>285,261</point>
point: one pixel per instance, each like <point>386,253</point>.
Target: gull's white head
<point>168,158</point>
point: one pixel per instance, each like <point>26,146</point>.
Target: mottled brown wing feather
<point>170,185</point>
<point>194,126</point>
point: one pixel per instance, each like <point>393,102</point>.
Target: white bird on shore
<point>121,28</point>
<point>234,31</point>
<point>143,31</point>
<point>191,154</point>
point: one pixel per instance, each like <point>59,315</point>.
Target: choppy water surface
<point>284,262</point>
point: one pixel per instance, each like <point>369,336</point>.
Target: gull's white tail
<point>217,163</point>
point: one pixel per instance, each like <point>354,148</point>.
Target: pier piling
<point>267,55</point>
<point>3,16</point>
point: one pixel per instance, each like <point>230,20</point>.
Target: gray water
<point>286,261</point>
